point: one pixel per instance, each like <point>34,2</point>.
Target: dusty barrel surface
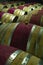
<point>14,56</point>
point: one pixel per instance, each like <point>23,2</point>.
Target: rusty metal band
<point>2,33</point>
<point>12,57</point>
<point>8,34</point>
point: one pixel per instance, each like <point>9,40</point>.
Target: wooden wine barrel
<point>17,11</point>
<point>5,51</point>
<point>14,11</point>
<point>18,3</point>
<point>32,43</point>
<point>33,9</point>
<point>9,5</point>
<point>14,4</point>
<point>31,18</point>
<point>32,40</point>
<point>37,19</point>
<point>20,7</point>
<point>20,36</point>
<point>8,18</point>
<point>11,10</point>
<point>24,6</point>
<point>26,37</point>
<point>14,56</point>
<point>7,32</point>
<point>28,4</point>
<point>25,19</point>
<point>34,17</point>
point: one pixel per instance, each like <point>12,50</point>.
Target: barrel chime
<point>21,33</point>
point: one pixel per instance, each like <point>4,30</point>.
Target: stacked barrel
<point>14,56</point>
<point>27,13</point>
<point>21,33</point>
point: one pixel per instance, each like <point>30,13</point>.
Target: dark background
<point>27,1</point>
